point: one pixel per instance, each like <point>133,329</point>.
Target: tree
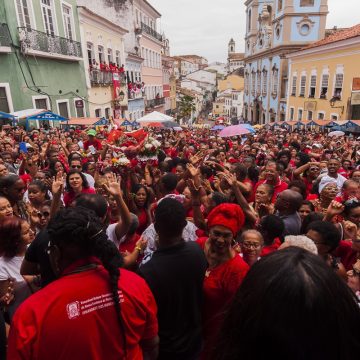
<point>186,106</point>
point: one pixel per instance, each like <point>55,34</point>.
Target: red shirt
<point>69,196</point>
<point>278,188</point>
<point>220,286</point>
<point>95,143</point>
<point>347,255</point>
<point>271,248</point>
<point>74,318</point>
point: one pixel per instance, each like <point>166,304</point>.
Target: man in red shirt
<point>92,141</point>
<point>272,178</point>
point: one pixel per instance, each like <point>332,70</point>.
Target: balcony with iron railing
<point>5,40</point>
<point>100,78</point>
<point>150,31</point>
<point>39,43</point>
<point>151,103</point>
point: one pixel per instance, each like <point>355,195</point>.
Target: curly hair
<point>81,228</point>
<point>10,236</point>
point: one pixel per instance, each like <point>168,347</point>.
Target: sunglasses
<point>76,166</point>
<point>44,214</point>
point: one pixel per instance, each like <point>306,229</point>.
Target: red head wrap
<point>229,215</point>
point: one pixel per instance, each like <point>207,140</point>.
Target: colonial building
<point>273,30</point>
<point>235,60</point>
<point>103,44</point>
<point>150,42</point>
<point>41,57</point>
<point>184,67</point>
<point>196,59</point>
<point>324,79</point>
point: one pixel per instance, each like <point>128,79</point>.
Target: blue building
<point>275,28</point>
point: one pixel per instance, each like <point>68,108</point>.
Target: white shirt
<point>189,234</point>
<point>110,232</point>
<point>10,268</point>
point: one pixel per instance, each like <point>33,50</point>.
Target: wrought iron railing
<point>155,102</point>
<point>4,35</point>
<point>99,77</point>
<point>135,95</point>
<point>31,39</point>
<point>150,31</point>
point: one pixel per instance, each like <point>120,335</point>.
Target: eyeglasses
<point>76,166</point>
<point>218,234</point>
<point>314,169</point>
<point>248,245</point>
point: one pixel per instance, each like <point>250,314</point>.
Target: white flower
<point>156,143</point>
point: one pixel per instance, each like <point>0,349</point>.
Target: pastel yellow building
<point>233,81</point>
<point>219,107</point>
<point>324,79</point>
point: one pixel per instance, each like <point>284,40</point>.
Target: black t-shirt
<point>37,253</point>
<point>175,276</point>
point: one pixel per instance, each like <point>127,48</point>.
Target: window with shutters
<point>292,113</point>
<point>48,16</point>
<point>324,86</point>
<point>41,104</point>
<point>23,11</point>
<point>293,86</point>
<point>98,113</point>
<point>302,85</point>
<point>312,86</point>
<point>321,116</point>
<point>117,58</point>
<point>339,79</point>
<point>246,84</point>
<point>253,81</point>
<point>110,56</point>
<point>258,83</point>
<point>306,3</point>
<point>101,53</point>
<point>264,82</point>
<point>300,114</point>
<point>63,109</point>
<point>310,115</point>
<point>4,104</point>
<point>275,82</point>
<point>68,22</point>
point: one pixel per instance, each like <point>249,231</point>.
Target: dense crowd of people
<point>179,245</point>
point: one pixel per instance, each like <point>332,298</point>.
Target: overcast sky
<point>204,27</point>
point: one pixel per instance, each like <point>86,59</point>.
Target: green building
<point>41,60</point>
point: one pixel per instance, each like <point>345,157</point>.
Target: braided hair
<point>80,227</point>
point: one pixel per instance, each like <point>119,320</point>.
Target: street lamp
<point>333,102</point>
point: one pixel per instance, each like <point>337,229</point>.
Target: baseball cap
<point>92,132</point>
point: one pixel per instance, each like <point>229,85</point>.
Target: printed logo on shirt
<point>83,307</point>
<point>73,310</point>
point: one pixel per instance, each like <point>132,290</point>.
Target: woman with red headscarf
<point>226,269</point>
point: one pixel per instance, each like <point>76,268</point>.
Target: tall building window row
<point>302,85</point>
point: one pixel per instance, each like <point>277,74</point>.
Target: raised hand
<point>195,191</point>
<point>113,186</point>
<point>57,186</point>
<point>335,208</point>
<point>193,171</point>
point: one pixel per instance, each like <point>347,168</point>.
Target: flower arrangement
<point>149,150</point>
<point>120,161</point>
